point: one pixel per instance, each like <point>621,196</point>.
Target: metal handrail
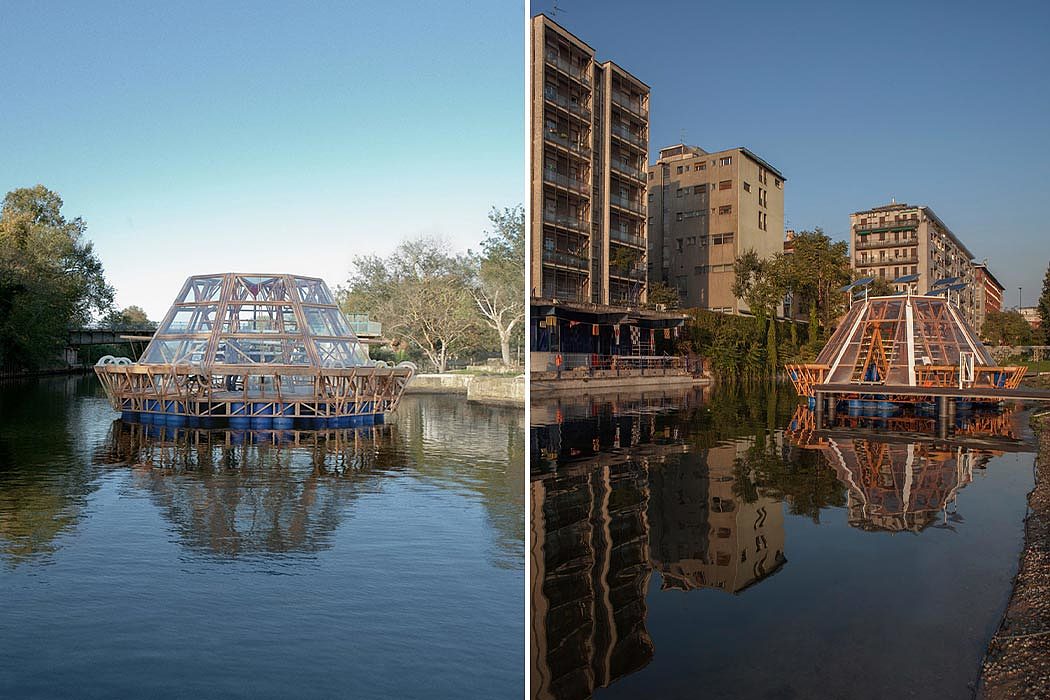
<point>566,67</point>
<point>565,181</point>
<point>566,222</point>
<point>567,259</point>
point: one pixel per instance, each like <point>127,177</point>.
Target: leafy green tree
<point>1044,307</point>
<point>421,294</point>
<point>814,272</point>
<point>499,285</point>
<point>1006,328</point>
<point>661,293</point>
<point>50,277</point>
<point>131,317</point>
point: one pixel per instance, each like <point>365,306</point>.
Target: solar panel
<point>846,288</point>
<point>906,278</point>
<point>863,281</point>
<point>859,295</point>
<point>944,281</point>
<point>957,287</point>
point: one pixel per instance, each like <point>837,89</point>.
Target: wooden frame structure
<point>903,341</point>
<point>254,350</point>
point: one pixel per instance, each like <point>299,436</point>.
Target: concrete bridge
<point>80,337</point>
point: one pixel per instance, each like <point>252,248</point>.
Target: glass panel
<point>341,353</point>
<point>313,291</point>
<point>260,318</point>
<point>198,289</point>
<point>326,321</point>
<point>240,351</point>
<point>191,319</point>
<point>260,289</point>
<point>172,351</point>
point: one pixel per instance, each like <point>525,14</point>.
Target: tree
<point>50,277</point>
<point>420,293</point>
<point>131,317</point>
<point>879,287</point>
<point>662,293</point>
<point>1043,306</point>
<point>1006,328</point>
<point>499,287</point>
<point>814,271</point>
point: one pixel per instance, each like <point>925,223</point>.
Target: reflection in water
<point>236,492</point>
<point>695,489</point>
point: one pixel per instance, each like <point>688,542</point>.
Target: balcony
<point>568,69</point>
<point>901,225</point>
<point>567,104</point>
<point>869,242</point>
<point>618,98</point>
<point>636,274</point>
<point>906,260</point>
<point>581,149</point>
<point>571,223</point>
<point>565,181</point>
<point>554,257</point>
<point>627,204</point>
<point>629,239</point>
<point>631,138</point>
<point>628,170</point>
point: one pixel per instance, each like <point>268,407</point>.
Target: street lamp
<point>1019,299</point>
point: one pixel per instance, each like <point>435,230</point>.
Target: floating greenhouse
<point>259,351</point>
<point>900,345</point>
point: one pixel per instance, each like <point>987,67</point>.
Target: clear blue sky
<point>945,104</point>
<point>199,137</point>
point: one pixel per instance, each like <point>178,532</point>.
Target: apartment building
<point>704,210</point>
<point>589,139</point>
<point>900,239</point>
<point>988,292</point>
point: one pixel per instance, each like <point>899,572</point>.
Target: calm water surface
<point>377,563</point>
<point>716,545</point>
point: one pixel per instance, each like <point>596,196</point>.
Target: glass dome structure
<point>906,341</point>
<point>254,350</point>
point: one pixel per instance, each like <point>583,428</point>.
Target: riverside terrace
<point>572,340</point>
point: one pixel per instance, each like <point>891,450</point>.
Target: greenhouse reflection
<point>240,492</point>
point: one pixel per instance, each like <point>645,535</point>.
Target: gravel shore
<point>1017,664</point>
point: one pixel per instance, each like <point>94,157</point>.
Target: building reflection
<point>898,474</point>
<point>616,494</point>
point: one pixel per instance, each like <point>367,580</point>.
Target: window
<point>727,160</point>
<point>721,238</point>
<point>678,244</point>
<point>725,184</point>
<point>747,187</point>
<point>667,171</point>
<point>725,209</point>
<point>650,196</point>
<point>701,269</point>
<point>679,170</point>
<point>777,182</point>
<point>679,192</point>
<point>691,240</point>
<point>700,166</point>
<point>679,216</point>
<point>699,189</point>
<point>652,175</point>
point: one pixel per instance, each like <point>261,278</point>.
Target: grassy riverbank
<point>1017,664</point>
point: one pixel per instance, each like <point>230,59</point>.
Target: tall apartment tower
<point>590,142</point>
<point>901,239</point>
<point>705,210</point>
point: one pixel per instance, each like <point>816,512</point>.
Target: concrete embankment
<point>1017,664</point>
<point>506,390</point>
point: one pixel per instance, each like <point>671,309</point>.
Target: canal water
<point>717,545</point>
<point>138,561</point>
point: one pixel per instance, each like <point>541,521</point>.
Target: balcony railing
<point>628,170</point>
<point>900,225</point>
<point>869,242</point>
<point>565,67</point>
<point>630,239</point>
<point>563,140</point>
<point>567,259</point>
<point>636,207</point>
<point>910,259</point>
<point>627,103</point>
<point>636,273</point>
<point>574,107</point>
<point>565,181</point>
<point>363,326</point>
<point>567,222</point>
<point>630,137</point>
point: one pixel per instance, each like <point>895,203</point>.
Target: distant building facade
<point>590,140</point>
<point>899,239</point>
<point>705,210</point>
<point>989,292</point>
<point>1031,315</point>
